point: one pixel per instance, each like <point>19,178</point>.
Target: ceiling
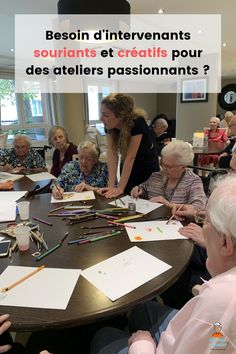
<point>227,8</point>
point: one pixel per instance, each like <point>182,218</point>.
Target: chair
<point>41,150</point>
<point>209,180</point>
<point>3,140</point>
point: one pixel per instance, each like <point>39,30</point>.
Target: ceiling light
<point>224,44</point>
<point>161,11</point>
<point>93,7</point>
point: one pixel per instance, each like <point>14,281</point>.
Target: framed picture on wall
<point>194,90</point>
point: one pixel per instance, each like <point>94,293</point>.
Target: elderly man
<point>192,329</point>
<point>21,158</point>
<point>159,132</point>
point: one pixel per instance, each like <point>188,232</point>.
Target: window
<point>96,90</point>
<point>23,113</point>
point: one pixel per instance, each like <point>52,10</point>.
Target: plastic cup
<point>22,234</point>
<point>23,208</point>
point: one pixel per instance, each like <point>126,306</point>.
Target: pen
<point>121,201</point>
<point>48,252</point>
<point>60,208</point>
<point>22,279</point>
<point>118,224</point>
<point>42,221</point>
<point>63,238</point>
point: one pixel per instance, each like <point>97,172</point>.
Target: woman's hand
<point>7,168</point>
<point>81,187</point>
<point>161,200</point>
<point>57,192</point>
<point>141,335</point>
<point>187,211</point>
<point>194,232</point>
<point>110,192</point>
<point>136,192</point>
<point>7,185</point>
<point>4,326</point>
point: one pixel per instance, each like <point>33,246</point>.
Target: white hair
<point>88,145</point>
<point>221,206</point>
<point>217,119</point>
<point>160,122</point>
<point>22,136</point>
<point>181,150</point>
<point>228,114</point>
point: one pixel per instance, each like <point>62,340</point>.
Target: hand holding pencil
<point>57,192</point>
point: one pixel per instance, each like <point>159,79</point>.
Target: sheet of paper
<point>73,196</point>
<point>154,231</point>
<point>4,176</point>
<point>50,288</point>
<point>124,272</point>
<point>7,211</point>
<point>36,177</point>
<point>11,196</point>
<point>142,205</point>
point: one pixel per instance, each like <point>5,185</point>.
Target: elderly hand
<point>4,326</point>
<point>160,199</point>
<point>7,185</point>
<point>136,192</point>
<point>7,168</point>
<point>57,192</point>
<point>141,335</point>
<point>194,232</point>
<point>187,211</point>
<point>81,187</point>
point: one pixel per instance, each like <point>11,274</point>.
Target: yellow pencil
<point>130,217</point>
<point>22,279</point>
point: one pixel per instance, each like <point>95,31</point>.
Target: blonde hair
<point>123,107</point>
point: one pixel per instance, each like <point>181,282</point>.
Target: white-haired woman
<point>214,134</point>
<point>86,174</point>
<point>225,122</point>
<point>175,184</point>
<point>21,158</point>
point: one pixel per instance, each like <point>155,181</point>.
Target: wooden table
<point>213,148</point>
<point>87,303</point>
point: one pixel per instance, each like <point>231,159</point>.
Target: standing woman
<point>64,150</point>
<point>127,134</point>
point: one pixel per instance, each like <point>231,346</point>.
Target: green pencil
<point>48,252</point>
<point>105,236</point>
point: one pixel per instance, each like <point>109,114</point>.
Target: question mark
<point>206,68</point>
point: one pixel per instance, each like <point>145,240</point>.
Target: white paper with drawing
<point>154,231</point>
<point>74,196</point>
<point>142,205</point>
<point>50,288</point>
<point>36,177</point>
<point>130,269</point>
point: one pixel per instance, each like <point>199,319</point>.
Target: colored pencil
<point>172,217</point>
<point>22,279</point>
<point>48,252</point>
<point>42,221</point>
<point>130,217</point>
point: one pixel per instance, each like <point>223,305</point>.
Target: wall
<point>147,101</point>
<point>193,116</point>
<point>166,103</point>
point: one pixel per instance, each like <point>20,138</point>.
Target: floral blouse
<point>71,176</point>
<point>32,160</point>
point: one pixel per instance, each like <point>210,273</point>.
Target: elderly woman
<point>225,122</point>
<point>214,134</point>
<point>64,150</point>
<point>21,158</point>
<point>86,174</point>
<point>175,184</point>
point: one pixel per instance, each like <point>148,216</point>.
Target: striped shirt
<point>189,190</point>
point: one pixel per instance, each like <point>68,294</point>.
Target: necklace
<point>170,196</point>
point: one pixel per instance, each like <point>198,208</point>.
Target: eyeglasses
<point>201,217</point>
<point>169,167</point>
